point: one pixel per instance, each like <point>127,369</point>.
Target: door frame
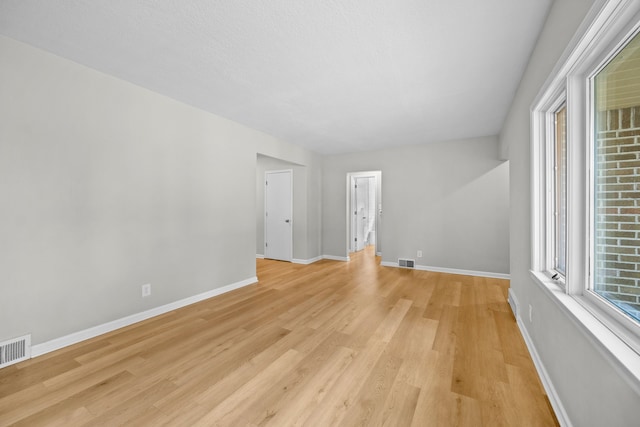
<point>264,211</point>
<point>377,175</point>
<point>354,206</point>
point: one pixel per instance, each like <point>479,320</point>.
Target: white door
<point>361,212</point>
<point>278,234</point>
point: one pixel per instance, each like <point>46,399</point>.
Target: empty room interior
<point>407,213</point>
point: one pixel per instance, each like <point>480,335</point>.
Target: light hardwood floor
<point>327,344</point>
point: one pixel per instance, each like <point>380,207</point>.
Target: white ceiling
<point>330,75</point>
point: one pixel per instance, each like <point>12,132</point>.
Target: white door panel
<point>362,212</point>
<point>278,222</point>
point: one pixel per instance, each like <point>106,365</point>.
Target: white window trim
<point>605,29</point>
<point>550,185</point>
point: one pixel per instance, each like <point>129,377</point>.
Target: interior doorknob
<point>286,220</point>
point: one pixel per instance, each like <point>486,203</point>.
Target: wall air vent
<point>406,263</point>
<point>15,350</point>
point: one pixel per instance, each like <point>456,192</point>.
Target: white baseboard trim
<point>513,302</point>
<point>311,260</point>
<point>76,337</point>
<point>335,258</point>
<point>558,408</point>
<point>452,271</point>
<point>306,261</point>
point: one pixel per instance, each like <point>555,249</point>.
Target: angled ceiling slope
<point>332,76</point>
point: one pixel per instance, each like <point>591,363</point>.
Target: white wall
<point>449,199</point>
<point>589,386</point>
<point>105,186</point>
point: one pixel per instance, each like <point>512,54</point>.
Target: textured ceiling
<point>331,75</point>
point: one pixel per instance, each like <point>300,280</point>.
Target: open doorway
<point>364,210</point>
<point>280,209</point>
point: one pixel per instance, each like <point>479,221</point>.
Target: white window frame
<point>607,28</point>
<point>551,210</point>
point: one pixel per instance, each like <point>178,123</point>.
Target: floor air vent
<point>406,263</point>
<point>15,350</point>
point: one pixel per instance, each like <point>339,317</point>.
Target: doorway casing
<point>350,186</point>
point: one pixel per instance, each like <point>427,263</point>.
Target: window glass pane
<point>560,208</point>
<point>617,181</point>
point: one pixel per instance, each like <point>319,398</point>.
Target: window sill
<point>622,357</point>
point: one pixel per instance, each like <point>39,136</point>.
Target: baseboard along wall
<point>452,271</point>
<point>554,399</point>
<point>76,337</point>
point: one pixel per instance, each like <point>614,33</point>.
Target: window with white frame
<point>615,105</point>
<point>559,192</point>
<point>586,172</point>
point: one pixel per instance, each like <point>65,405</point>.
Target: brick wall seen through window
<point>617,245</point>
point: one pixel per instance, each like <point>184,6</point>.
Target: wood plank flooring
<point>327,344</point>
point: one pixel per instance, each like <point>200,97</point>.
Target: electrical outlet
<point>530,314</point>
<point>146,290</point>
<point>419,254</point>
